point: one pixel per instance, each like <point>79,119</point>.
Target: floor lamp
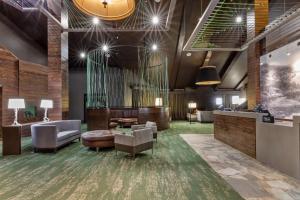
<point>191,105</point>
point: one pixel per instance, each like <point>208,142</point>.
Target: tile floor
<point>246,175</point>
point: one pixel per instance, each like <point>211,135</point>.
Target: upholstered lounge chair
<point>148,124</point>
<point>140,140</point>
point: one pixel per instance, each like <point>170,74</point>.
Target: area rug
<point>174,171</point>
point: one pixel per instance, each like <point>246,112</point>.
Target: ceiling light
<point>238,19</point>
<point>155,20</point>
<point>95,20</point>
<point>82,55</point>
<point>188,54</point>
<point>288,53</point>
<point>154,47</point>
<point>105,48</point>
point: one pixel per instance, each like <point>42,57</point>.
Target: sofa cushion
<point>66,134</point>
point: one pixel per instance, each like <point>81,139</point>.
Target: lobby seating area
<point>149,99</point>
<point>52,135</point>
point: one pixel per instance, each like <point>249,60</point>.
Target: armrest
<point>124,139</point>
<point>44,136</point>
<point>137,127</point>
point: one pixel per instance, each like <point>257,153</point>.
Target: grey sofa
<point>54,134</point>
<point>140,140</point>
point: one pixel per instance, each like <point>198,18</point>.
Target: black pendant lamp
<point>208,75</point>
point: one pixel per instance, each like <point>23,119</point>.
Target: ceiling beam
<point>179,48</point>
<point>241,81</point>
<point>227,64</point>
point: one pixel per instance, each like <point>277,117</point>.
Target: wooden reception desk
<point>276,145</point>
<point>237,129</point>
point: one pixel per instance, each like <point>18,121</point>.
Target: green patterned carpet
<point>175,171</point>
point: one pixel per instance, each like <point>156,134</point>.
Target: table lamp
<point>158,102</point>
<point>46,104</point>
<point>16,104</point>
<point>191,105</point>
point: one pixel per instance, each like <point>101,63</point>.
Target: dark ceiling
<point>182,68</point>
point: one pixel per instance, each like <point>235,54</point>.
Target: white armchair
<point>140,140</point>
<point>148,124</point>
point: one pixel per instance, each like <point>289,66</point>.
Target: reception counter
<point>237,129</point>
<point>278,146</point>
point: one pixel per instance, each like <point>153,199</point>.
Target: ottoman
<point>99,138</point>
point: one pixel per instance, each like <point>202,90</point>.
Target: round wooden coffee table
<point>99,138</point>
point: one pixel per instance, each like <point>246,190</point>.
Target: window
<point>219,101</point>
<point>235,100</point>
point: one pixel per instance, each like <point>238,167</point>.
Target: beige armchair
<point>148,124</point>
<point>140,140</point>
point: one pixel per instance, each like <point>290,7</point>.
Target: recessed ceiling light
<point>154,47</point>
<point>157,1</point>
<point>288,53</point>
<point>188,54</point>
<point>82,55</point>
<point>261,63</point>
<point>238,19</point>
<point>155,20</point>
<point>95,21</point>
<point>104,48</point>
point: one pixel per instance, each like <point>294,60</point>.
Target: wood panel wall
<point>238,132</point>
<point>21,79</point>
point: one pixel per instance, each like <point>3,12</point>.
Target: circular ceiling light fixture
<point>238,19</point>
<point>106,9</point>
<point>208,75</point>
<point>155,20</point>
<point>188,54</point>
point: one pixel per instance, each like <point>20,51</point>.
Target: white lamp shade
<point>158,102</point>
<point>16,103</point>
<point>46,103</point>
<point>235,100</point>
<point>192,105</point>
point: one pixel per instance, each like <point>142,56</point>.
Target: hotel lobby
<point>149,99</point>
